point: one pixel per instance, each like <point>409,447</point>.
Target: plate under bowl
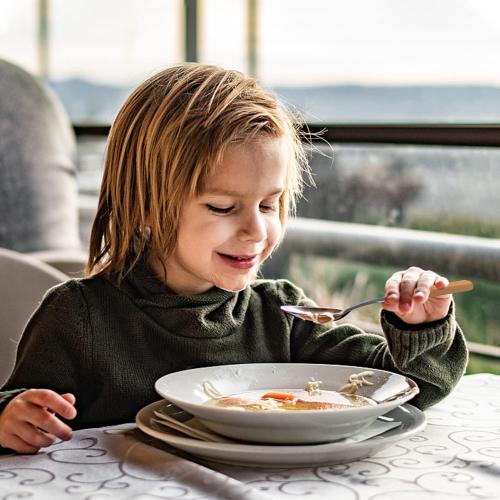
<point>185,389</point>
<point>262,455</point>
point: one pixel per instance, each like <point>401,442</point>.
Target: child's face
<point>229,230</point>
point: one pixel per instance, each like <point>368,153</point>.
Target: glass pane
<point>384,61</point>
<point>90,160</point>
<point>340,283</point>
<point>439,189</point>
<point>445,189</point>
<point>223,33</point>
<point>18,33</point>
<point>99,51</point>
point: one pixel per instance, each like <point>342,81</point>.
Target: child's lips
<point>239,261</point>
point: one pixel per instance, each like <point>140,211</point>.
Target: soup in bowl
<point>286,403</point>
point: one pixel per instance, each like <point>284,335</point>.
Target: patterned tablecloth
<point>457,456</point>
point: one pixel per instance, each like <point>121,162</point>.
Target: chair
<point>70,262</point>
<point>38,188</point>
<point>23,282</point>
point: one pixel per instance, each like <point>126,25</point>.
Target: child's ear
<point>144,232</point>
<point>147,226</point>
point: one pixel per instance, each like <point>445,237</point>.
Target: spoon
<point>325,314</point>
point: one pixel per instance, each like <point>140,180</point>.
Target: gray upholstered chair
<point>23,282</point>
<point>38,190</point>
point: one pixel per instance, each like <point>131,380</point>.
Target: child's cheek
<point>274,235</point>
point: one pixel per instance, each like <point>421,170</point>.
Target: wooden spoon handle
<point>453,287</point>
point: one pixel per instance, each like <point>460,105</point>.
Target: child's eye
<point>268,208</point>
<point>219,210</point>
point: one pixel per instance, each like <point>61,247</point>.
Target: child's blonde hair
<point>166,140</point>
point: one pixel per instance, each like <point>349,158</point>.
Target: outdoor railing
<point>452,255</point>
<point>449,254</point>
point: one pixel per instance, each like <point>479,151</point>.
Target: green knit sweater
<point>109,343</point>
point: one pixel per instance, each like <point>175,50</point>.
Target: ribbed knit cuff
<point>6,396</point>
<point>407,341</point>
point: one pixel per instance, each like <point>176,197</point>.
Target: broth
<point>289,400</point>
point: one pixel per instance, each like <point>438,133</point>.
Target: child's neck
<point>173,282</point>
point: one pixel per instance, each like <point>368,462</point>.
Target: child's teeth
<point>235,257</point>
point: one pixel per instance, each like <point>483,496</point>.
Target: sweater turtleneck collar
<point>143,283</point>
<point>214,314</point>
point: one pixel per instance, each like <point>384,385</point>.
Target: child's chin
<point>232,284</point>
<point>232,290</point>
<point>236,287</point>
<point>233,287</point>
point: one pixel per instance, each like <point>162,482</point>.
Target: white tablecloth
<point>457,456</point>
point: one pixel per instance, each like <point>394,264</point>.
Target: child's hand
<point>29,421</point>
<point>407,295</point>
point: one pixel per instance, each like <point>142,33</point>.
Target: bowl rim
<point>214,410</point>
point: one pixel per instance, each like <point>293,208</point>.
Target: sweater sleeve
<point>434,354</point>
<point>54,350</point>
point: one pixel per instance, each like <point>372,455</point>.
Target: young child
<point>201,170</point>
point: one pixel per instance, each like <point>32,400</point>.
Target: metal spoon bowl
<point>322,315</point>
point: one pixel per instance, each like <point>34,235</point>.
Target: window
<point>96,52</point>
<point>18,33</point>
<point>383,61</point>
<point>335,62</point>
<point>223,33</point>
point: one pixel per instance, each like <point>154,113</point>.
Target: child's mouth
<point>239,261</point>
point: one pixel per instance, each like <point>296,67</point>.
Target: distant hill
<point>352,103</point>
<point>88,102</point>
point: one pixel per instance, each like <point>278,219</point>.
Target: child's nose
<point>253,227</point>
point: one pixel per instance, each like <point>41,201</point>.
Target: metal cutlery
<point>325,314</point>
<point>173,417</point>
<point>176,418</point>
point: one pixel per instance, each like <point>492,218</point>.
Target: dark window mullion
<point>423,135</point>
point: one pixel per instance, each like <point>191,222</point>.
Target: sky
<point>301,42</point>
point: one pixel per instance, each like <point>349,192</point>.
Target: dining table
<point>456,455</point>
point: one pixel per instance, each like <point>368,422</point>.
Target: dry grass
<point>320,280</point>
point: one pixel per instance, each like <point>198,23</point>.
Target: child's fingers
<point>43,419</point>
<point>407,287</point>
<point>70,398</point>
<point>441,282</point>
<point>399,290</point>
<point>29,421</point>
<point>424,284</point>
<point>392,288</point>
<point>34,436</point>
<point>403,287</point>
<point>52,401</point>
<point>15,443</point>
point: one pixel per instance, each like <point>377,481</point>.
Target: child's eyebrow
<point>230,192</point>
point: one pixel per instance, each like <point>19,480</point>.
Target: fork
<point>173,417</point>
<point>325,314</point>
<point>170,415</point>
